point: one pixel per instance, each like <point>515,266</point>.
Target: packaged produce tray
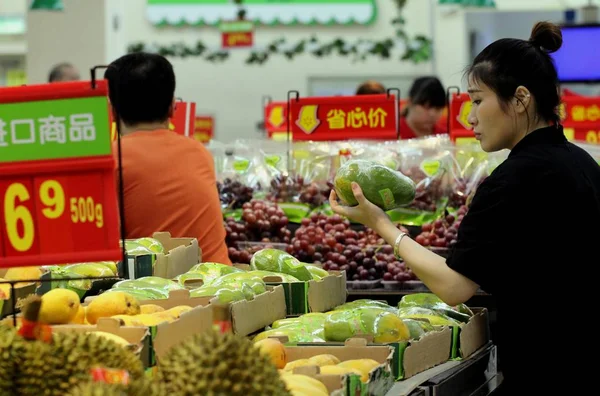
<point>362,285</point>
<point>407,285</point>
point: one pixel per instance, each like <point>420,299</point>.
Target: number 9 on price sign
<point>53,215</point>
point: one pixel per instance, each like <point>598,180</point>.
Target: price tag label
<point>57,185</point>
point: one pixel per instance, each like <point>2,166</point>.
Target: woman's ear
<point>522,99</point>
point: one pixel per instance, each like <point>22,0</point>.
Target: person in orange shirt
<point>169,179</point>
<point>424,109</point>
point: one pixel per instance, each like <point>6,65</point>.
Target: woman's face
<point>494,127</point>
<point>425,117</point>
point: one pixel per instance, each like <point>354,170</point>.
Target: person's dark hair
<point>427,91</point>
<point>370,88</point>
<point>57,71</point>
<point>141,88</point>
<point>507,64</point>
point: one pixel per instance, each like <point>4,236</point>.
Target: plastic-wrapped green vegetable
<point>225,294</point>
<point>285,278</point>
<point>417,328</point>
<point>364,303</point>
<point>383,325</point>
<point>242,280</point>
<point>212,271</point>
<point>461,312</point>
<point>436,318</point>
<point>294,335</point>
<point>279,261</point>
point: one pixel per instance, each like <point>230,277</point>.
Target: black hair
<point>370,88</point>
<point>57,71</point>
<point>141,87</point>
<point>507,64</point>
<point>427,91</point>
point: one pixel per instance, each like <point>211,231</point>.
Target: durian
<point>54,369</point>
<point>8,338</point>
<point>219,364</point>
<point>141,387</point>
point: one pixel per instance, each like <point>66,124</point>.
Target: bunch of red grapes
<point>262,221</point>
<point>233,194</point>
<point>314,195</point>
<point>428,190</point>
<point>442,233</point>
<point>458,196</point>
<point>285,188</point>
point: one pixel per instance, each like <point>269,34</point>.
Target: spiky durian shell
<point>45,369</point>
<point>141,387</point>
<point>214,364</point>
<point>8,337</point>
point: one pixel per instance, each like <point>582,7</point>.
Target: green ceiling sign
<point>268,12</point>
<point>470,3</point>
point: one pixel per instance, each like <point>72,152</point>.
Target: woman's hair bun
<point>547,36</point>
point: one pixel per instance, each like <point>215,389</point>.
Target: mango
<point>274,349</point>
<point>113,337</point>
<point>364,366</point>
<point>150,308</point>
<point>324,360</point>
<point>111,304</point>
<point>59,306</point>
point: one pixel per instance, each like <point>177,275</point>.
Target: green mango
<point>274,260</point>
<point>151,244</point>
<point>90,270</point>
<point>133,248</point>
<point>249,284</point>
<point>365,303</point>
<point>384,187</point>
<point>140,294</point>
<point>212,271</point>
<point>161,283</point>
<point>435,318</point>
<point>294,335</point>
<point>285,278</point>
<point>462,313</point>
<point>224,294</point>
<point>344,324</point>
<point>417,328</point>
<point>317,272</point>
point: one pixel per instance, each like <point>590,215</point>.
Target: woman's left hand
<point>365,212</point>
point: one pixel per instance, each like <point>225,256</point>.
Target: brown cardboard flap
<point>168,335</point>
<point>248,317</point>
<point>431,349</point>
<point>475,333</point>
<point>182,254</point>
<point>327,293</point>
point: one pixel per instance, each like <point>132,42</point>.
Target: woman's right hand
<point>365,212</point>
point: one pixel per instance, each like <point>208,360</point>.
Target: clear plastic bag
<point>383,325</point>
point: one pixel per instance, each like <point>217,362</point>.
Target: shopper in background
<point>525,231</point>
<point>63,72</point>
<point>370,87</point>
<point>169,179</point>
<point>424,109</point>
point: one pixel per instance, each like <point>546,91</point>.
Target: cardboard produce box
<point>247,317</point>
<point>166,335</point>
<point>138,337</point>
<point>182,254</point>
<point>18,293</point>
<point>380,379</point>
<point>471,336</point>
<point>312,296</point>
<point>415,356</point>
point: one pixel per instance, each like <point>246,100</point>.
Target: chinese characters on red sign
<point>204,128</point>
<point>58,196</point>
<point>343,118</point>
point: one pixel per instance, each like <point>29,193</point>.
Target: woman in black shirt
<point>532,226</point>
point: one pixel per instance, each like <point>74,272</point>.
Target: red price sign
<point>275,117</point>
<point>57,184</point>
<point>204,128</point>
<point>344,117</point>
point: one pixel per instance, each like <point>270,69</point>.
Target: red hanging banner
<point>57,175</point>
<point>275,117</point>
<point>344,117</point>
<point>204,128</point>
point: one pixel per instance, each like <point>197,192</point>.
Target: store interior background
<point>94,32</point>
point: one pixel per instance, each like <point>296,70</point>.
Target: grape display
<point>234,194</point>
<point>262,221</point>
<point>441,233</point>
<point>428,191</point>
<point>285,188</point>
